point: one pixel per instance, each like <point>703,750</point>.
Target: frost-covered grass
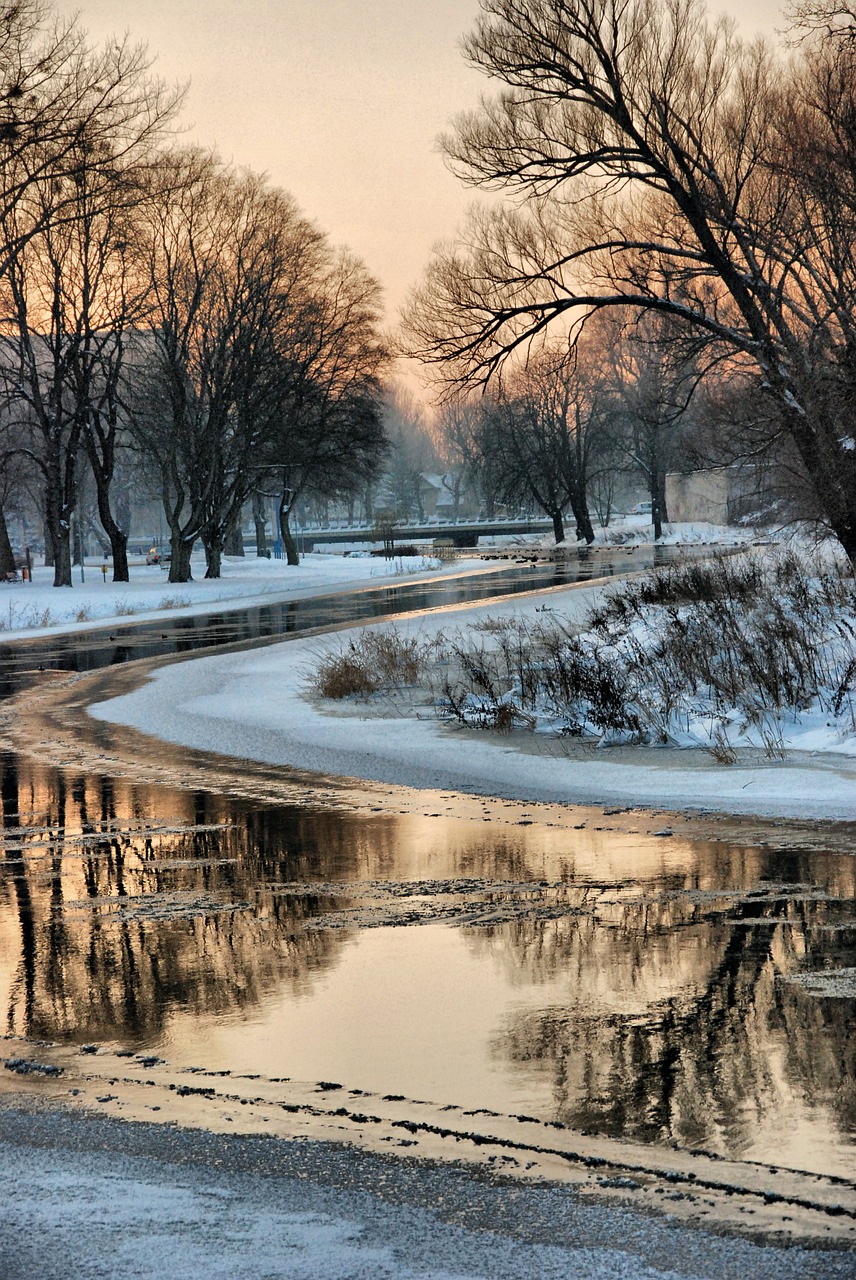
<point>731,652</point>
<point>734,651</point>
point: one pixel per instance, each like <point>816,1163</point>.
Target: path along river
<point>545,988</point>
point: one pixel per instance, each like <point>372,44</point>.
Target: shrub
<point>687,653</point>
<point>374,660</point>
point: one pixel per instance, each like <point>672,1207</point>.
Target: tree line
<point>664,169</point>
<point>585,423</point>
<point>169,323</point>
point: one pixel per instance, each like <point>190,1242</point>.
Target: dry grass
<point>373,662</point>
<point>739,641</point>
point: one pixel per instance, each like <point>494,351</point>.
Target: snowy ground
<point>257,705</point>
<point>633,530</point>
<point>93,1198</point>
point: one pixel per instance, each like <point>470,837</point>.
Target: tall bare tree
<point>326,433</point>
<point>665,165</point>
<point>656,378</point>
<point>456,431</point>
<point>543,432</point>
<point>74,123</point>
<point>228,262</point>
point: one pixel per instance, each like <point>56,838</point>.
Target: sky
<point>339,101</point>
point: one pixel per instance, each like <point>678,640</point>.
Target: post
<point>78,528</point>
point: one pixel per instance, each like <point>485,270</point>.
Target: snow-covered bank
<point>255,705</point>
<point>27,607</point>
<point>638,531</point>
<point>92,1197</point>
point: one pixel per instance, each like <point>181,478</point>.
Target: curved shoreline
<point>255,705</point>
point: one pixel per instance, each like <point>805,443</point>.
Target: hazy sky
<point>338,101</point>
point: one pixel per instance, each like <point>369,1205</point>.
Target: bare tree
<point>76,122</point>
<point>326,433</point>
<point>544,431</point>
<point>412,451</point>
<point>669,167</point>
<point>456,431</point>
<point>655,380</point>
<point>228,260</point>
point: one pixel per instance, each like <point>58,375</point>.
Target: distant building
<point>736,494</point>
<point>445,496</point>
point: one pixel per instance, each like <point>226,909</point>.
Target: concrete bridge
<point>458,533</point>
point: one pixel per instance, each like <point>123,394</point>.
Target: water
<point>621,983</point>
<point>116,644</point>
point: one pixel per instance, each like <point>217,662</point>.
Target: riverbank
<point>97,1197</point>
<point>37,608</point>
<point>260,705</point>
<point>188,1203</point>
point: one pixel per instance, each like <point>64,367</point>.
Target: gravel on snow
<point>98,1198</point>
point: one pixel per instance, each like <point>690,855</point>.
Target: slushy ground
<point>90,1197</point>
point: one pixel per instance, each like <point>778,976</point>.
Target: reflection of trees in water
<point>86,970</point>
<point>673,1022</point>
<point>666,1017</point>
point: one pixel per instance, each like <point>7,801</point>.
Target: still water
<point>620,982</point>
<point>116,644</point>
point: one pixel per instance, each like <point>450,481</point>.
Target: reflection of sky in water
<point>411,1011</point>
<point>627,985</point>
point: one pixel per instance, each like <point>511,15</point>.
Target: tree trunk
<point>62,559</point>
<point>584,529</point>
<point>118,537</point>
<point>288,541</point>
<point>659,515</point>
<point>179,564</point>
<point>558,526</point>
<point>831,469</point>
<point>260,522</point>
<point>59,541</point>
<point>60,501</point>
<point>48,541</point>
<point>213,558</point>
<point>7,560</point>
<point>234,543</point>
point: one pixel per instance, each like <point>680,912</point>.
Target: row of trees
<point>581,417</point>
<point>663,167</point>
<point>163,315</point>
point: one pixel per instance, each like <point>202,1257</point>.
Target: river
<point>582,971</point>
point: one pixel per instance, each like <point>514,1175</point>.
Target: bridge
<point>458,533</point>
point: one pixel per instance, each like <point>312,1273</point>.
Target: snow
<point>89,1198</point>
<point>256,705</point>
<point>637,530</point>
<point>26,607</point>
